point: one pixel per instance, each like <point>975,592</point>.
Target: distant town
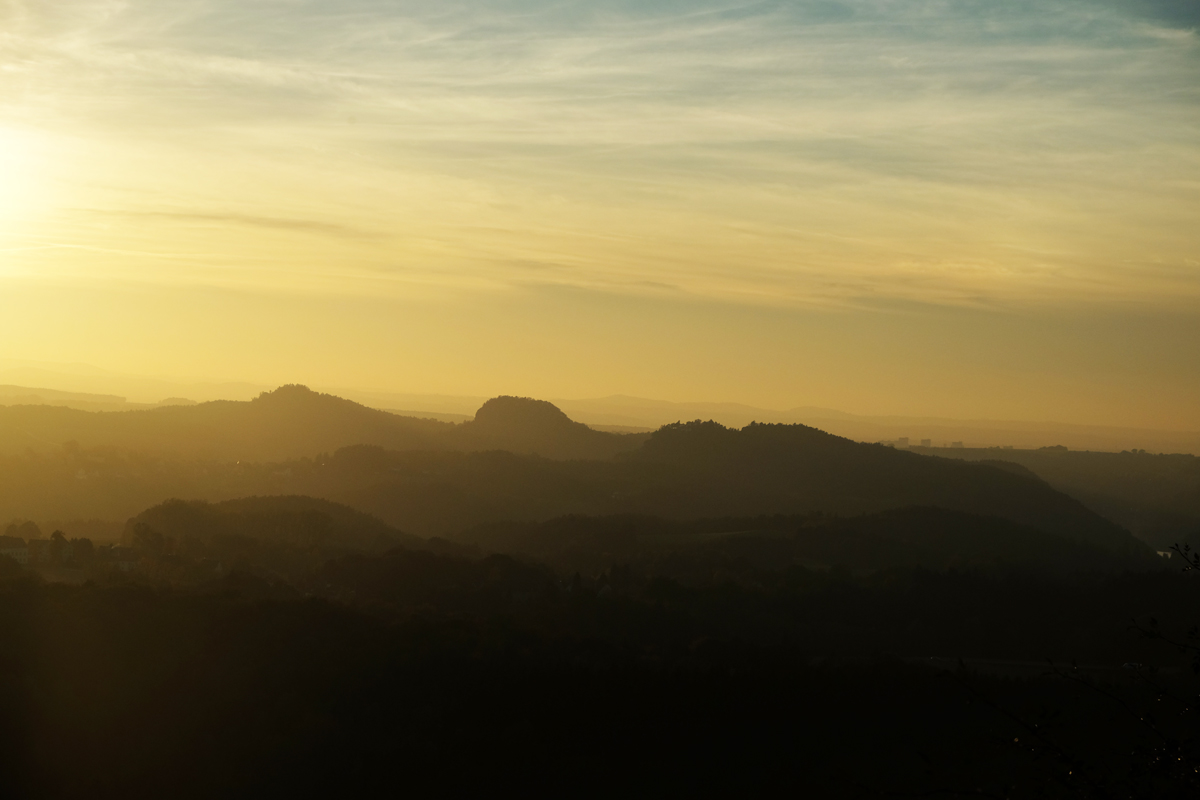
<point>24,543</point>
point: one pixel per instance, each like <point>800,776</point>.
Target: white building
<point>14,548</point>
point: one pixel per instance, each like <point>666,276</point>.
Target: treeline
<point>286,644</point>
<point>746,548</point>
<point>443,493</point>
<point>1157,496</point>
<point>426,673</point>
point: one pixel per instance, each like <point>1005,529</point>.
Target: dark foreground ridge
<point>740,549</point>
<point>232,662</point>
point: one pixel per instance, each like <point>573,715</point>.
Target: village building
<point>15,548</point>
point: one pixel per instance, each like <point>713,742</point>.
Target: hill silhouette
<point>294,421</point>
<point>693,471</point>
<point>435,479</point>
<point>294,520</point>
<point>1155,495</point>
<point>761,467</point>
<point>525,425</point>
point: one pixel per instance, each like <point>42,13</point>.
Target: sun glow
<point>23,183</point>
<point>880,203</point>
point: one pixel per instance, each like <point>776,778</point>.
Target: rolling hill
<point>435,479</point>
<point>290,422</point>
<point>294,422</point>
<point>695,471</point>
<point>1155,495</point>
<point>293,520</point>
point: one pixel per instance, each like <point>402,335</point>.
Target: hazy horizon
<point>137,389</point>
<point>90,389</point>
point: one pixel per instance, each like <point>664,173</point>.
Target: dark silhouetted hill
<point>761,467</point>
<point>525,425</point>
<point>700,470</point>
<point>1155,495</point>
<point>292,520</point>
<point>422,485</point>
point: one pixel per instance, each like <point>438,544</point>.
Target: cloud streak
<point>270,223</point>
<point>809,152</point>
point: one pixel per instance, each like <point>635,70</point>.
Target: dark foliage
<point>439,675</point>
<point>695,550</point>
<point>1157,496</point>
<point>297,520</point>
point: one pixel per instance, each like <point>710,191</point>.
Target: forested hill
<point>744,549</point>
<point>295,422</point>
<point>758,470</point>
<point>433,479</point>
<point>525,425</point>
<point>1155,495</point>
<point>764,466</point>
<point>292,520</point>
<point>290,422</point>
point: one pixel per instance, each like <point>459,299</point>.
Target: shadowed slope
<point>1155,495</point>
<point>766,468</point>
<point>720,549</point>
<point>699,470</point>
<point>293,520</point>
<point>290,422</point>
<point>683,471</point>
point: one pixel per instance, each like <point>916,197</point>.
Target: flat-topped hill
<point>526,425</point>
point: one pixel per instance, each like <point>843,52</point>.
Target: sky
<point>928,207</point>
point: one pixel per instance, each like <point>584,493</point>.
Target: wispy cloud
<point>315,227</point>
<point>950,151</point>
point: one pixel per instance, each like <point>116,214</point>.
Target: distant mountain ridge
<point>294,421</point>
<point>620,413</point>
<point>693,471</point>
<point>290,422</point>
<point>1155,496</point>
<point>819,471</point>
<point>638,411</point>
<point>30,396</point>
<point>519,459</point>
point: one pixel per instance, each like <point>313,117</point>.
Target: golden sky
<point>960,208</point>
